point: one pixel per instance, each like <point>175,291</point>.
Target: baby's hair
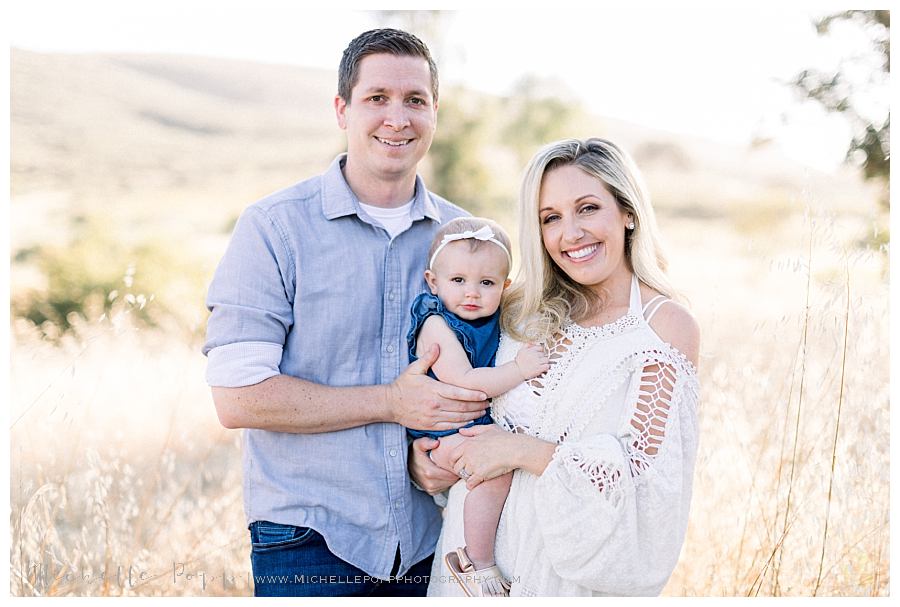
<point>471,224</point>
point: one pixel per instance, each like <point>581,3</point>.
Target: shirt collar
<point>338,200</point>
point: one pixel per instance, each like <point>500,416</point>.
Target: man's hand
<point>419,402</point>
<point>424,472</point>
<point>532,361</point>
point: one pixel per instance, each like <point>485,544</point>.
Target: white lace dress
<point>609,513</point>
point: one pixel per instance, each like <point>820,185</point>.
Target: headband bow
<point>484,233</point>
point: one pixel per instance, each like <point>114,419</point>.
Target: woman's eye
<point>549,218</point>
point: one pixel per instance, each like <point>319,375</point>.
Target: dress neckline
<point>634,310</point>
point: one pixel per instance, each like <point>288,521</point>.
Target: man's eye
<point>376,98</point>
<point>417,101</point>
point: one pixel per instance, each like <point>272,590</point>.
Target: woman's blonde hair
<point>543,297</point>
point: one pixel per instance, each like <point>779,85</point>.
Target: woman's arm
<point>453,367</point>
<point>613,507</point>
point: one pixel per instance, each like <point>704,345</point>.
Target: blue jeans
<point>295,561</point>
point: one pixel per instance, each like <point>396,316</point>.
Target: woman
<point>603,444</point>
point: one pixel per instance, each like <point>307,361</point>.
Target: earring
<point>630,225</point>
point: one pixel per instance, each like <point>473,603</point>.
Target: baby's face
<point>469,283</point>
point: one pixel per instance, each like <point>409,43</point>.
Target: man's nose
<point>396,117</point>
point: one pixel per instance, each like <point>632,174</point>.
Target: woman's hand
<point>489,452</point>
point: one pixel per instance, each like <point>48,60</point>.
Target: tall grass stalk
<point>803,350</point>
<point>834,443</point>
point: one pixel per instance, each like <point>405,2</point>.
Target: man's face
<point>390,119</point>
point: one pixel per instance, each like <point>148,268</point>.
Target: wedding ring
<point>464,474</point>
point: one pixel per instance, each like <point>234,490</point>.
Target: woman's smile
<point>583,254</point>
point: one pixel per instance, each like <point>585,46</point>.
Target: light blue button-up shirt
<point>310,286</point>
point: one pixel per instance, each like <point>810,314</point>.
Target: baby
<point>469,263</point>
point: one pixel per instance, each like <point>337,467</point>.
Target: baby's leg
<point>481,515</point>
<point>482,509</point>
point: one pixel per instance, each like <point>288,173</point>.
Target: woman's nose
<point>572,230</point>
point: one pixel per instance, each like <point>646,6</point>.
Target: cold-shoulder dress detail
<point>609,513</point>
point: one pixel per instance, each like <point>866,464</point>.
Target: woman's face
<point>582,226</point>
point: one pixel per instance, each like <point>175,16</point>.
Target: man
<point>306,341</point>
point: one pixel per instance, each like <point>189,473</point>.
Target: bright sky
<point>712,72</point>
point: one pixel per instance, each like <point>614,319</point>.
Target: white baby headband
<point>484,233</point>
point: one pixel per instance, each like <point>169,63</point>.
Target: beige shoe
<point>483,582</point>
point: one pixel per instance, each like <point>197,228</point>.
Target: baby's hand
<point>532,361</point>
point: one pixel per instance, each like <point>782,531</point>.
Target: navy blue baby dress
<point>479,338</point>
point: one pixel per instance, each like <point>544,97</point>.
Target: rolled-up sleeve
<point>251,303</point>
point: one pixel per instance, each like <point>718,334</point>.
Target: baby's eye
<point>457,279</point>
<point>487,283</point>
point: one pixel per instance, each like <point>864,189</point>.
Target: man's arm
<point>287,404</point>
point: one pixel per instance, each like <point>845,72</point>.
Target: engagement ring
<point>464,474</point>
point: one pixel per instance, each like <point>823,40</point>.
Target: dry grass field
<point>123,483</point>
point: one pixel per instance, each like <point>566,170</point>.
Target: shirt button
<point>398,504</point>
<point>393,452</point>
<point>391,296</point>
<point>390,349</point>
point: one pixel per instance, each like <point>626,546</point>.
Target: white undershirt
<point>395,220</point>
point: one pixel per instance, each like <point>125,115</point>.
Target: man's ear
<point>340,111</point>
<point>431,279</point>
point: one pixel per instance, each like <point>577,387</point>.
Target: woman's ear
<point>431,279</point>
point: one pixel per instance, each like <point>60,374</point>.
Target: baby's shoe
<point>483,582</point>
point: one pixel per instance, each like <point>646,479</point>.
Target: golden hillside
<point>110,126</point>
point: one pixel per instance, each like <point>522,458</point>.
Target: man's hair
<point>390,41</point>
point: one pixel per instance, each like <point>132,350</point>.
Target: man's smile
<point>394,143</point>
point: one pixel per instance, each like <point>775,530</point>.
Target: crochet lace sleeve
<point>614,508</point>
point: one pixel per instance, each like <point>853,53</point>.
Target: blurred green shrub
<point>538,111</point>
<point>99,275</point>
<point>459,169</point>
<point>483,143</point>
